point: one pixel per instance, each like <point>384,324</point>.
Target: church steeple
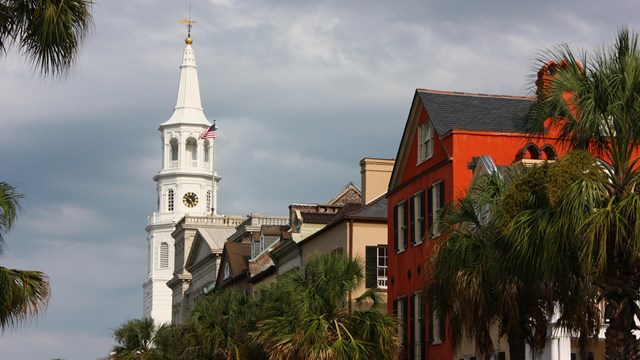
<point>186,185</point>
<point>188,108</point>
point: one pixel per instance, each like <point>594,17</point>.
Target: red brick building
<point>444,135</point>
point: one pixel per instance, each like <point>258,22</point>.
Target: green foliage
<point>135,339</point>
<point>23,294</point>
<point>306,315</point>
<point>49,32</point>
<point>497,267</point>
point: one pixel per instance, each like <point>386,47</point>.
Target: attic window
<point>425,141</point>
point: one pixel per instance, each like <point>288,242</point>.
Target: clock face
<point>190,199</point>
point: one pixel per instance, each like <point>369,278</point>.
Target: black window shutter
<point>430,324</point>
<point>423,340</point>
<point>442,327</point>
<point>405,233</point>
<point>423,225</point>
<point>413,220</point>
<point>371,266</point>
<point>395,307</point>
<point>395,228</point>
<point>412,322</point>
<point>404,319</point>
<point>430,206</point>
<point>441,200</point>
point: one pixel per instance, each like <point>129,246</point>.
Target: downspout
<point>350,249</point>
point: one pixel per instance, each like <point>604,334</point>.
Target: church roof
<point>188,108</point>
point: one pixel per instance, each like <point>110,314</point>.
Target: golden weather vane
<point>188,21</point>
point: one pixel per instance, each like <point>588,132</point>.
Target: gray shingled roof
<point>375,209</point>
<point>460,111</point>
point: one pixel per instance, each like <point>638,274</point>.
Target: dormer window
<point>425,141</point>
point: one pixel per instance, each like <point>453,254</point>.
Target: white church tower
<point>185,184</point>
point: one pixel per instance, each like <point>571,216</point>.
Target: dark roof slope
<point>461,111</point>
<point>376,209</point>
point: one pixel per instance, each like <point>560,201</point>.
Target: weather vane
<point>188,21</point>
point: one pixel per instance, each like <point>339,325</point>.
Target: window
<point>170,200</point>
<point>164,255</point>
<point>417,218</point>
<point>436,204</point>
<point>417,326</point>
<point>227,271</point>
<point>209,200</point>
<point>376,266</point>
<point>400,309</point>
<point>206,151</point>
<point>425,141</point>
<point>436,327</point>
<point>400,232</point>
<point>173,144</point>
<point>192,151</point>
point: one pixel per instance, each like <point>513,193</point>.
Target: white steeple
<point>188,108</point>
<point>185,185</point>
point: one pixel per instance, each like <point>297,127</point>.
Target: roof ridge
<point>445,92</point>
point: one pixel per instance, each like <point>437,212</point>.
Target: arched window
<point>227,271</point>
<point>192,151</point>
<point>530,151</point>
<point>207,148</point>
<point>533,152</point>
<point>164,255</point>
<point>173,144</point>
<point>170,200</point>
<point>549,152</point>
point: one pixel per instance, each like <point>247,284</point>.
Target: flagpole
<point>214,191</point>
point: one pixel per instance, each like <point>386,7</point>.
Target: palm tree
<point>171,342</point>
<point>23,294</point>
<point>49,32</point>
<point>305,315</point>
<point>135,339</point>
<point>219,325</point>
<point>482,277</point>
<point>595,104</point>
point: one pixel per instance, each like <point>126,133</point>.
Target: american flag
<point>210,133</point>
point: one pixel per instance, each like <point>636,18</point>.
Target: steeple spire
<point>188,108</point>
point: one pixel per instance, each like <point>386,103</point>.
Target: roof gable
<point>451,111</point>
<point>206,242</point>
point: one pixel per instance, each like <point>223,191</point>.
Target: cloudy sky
<point>301,91</point>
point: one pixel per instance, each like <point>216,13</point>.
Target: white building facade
<point>185,185</point>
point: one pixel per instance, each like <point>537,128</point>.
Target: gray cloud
<point>301,91</point>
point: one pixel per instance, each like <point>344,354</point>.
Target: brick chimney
<point>375,176</point>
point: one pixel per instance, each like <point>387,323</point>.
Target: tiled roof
<point>461,111</point>
<point>317,218</point>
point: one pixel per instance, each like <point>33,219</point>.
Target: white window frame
<point>418,216</point>
<point>435,210</point>
<point>382,258</point>
<point>425,142</point>
<point>402,225</point>
<point>226,271</point>
<point>191,147</point>
<point>418,316</point>
<point>435,325</point>
<point>163,255</point>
